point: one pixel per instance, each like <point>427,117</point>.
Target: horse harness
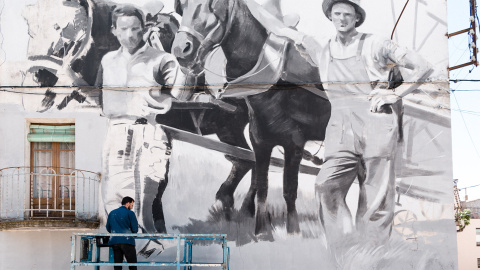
<point>206,39</point>
<point>268,70</point>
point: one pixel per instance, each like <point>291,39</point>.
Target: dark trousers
<point>120,250</point>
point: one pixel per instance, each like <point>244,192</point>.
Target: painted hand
<point>304,45</point>
<point>380,97</point>
<point>143,104</point>
<point>158,104</point>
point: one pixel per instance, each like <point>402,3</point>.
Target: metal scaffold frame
<point>91,255</point>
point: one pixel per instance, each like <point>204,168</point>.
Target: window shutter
<point>44,133</point>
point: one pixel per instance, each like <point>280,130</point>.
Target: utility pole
<point>472,31</point>
<point>457,205</point>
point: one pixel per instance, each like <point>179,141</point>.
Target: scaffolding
<point>86,250</point>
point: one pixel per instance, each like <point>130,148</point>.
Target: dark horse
<point>82,58</point>
<point>287,114</point>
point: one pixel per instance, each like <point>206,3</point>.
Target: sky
<point>464,104</point>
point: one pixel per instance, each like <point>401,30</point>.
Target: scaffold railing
<point>86,250</point>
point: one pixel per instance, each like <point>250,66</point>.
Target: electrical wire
<point>454,43</point>
<point>466,127</point>
<point>467,112</point>
<point>468,187</point>
<point>464,80</point>
<point>461,56</point>
<point>398,20</point>
<point>464,90</point>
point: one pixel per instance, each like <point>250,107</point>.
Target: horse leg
<point>239,169</point>
<point>262,162</point>
<point>248,205</point>
<point>293,157</point>
<point>225,193</point>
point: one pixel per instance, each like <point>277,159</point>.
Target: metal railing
<point>46,192</point>
<point>88,246</point>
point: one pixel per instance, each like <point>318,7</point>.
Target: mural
<point>316,135</point>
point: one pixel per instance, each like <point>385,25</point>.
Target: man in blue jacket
<point>123,220</point>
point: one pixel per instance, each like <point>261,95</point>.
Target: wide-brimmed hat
<point>327,8</point>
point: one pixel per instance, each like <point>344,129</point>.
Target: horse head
<point>205,24</point>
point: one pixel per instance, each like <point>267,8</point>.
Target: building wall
<point>468,251</point>
<point>15,121</point>
<point>42,249</point>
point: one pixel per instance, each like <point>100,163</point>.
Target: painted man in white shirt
<point>137,83</point>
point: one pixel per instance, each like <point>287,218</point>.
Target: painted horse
<point>283,110</point>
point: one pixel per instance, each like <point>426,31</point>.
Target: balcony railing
<point>41,193</point>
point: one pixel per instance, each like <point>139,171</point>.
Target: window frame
<point>34,202</point>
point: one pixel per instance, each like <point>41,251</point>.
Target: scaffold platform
<point>86,250</point>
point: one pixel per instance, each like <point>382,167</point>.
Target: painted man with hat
<point>365,126</point>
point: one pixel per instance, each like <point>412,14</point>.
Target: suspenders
<point>361,42</point>
<point>360,46</point>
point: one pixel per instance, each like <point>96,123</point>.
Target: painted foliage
<point>316,134</point>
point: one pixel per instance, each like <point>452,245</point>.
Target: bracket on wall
<point>473,34</point>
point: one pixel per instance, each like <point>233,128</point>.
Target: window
<point>478,236</point>
<point>52,163</point>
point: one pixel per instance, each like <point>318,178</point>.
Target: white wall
<point>35,250</point>
<point>89,134</point>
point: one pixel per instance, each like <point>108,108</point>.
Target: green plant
<point>463,219</point>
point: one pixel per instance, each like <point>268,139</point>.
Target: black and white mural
<point>316,134</point>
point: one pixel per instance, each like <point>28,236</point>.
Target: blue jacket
<point>122,220</point>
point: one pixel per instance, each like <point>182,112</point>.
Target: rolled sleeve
<point>166,71</point>
<point>387,52</point>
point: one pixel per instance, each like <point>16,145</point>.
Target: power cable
<point>468,187</point>
<point>460,58</point>
<point>462,42</point>
<point>398,20</point>
<point>464,80</point>
<point>464,90</point>
<point>466,127</point>
<point>467,112</point>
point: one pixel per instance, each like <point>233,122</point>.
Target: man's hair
<point>127,199</point>
<point>127,10</point>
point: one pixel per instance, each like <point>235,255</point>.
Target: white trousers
<point>135,162</point>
